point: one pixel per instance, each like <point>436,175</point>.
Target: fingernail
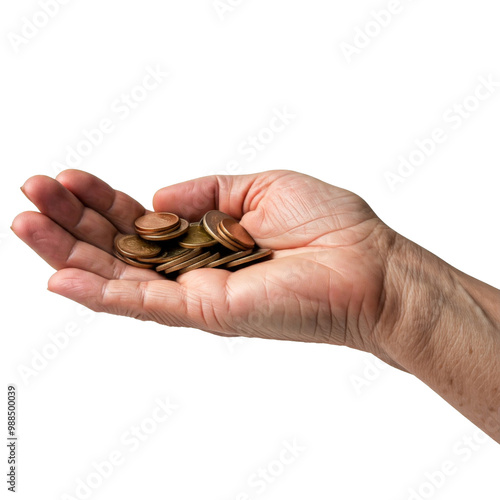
<point>24,192</point>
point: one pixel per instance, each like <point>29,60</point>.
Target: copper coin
<point>229,243</point>
<point>197,237</point>
<point>183,228</point>
<point>258,255</point>
<point>229,258</point>
<point>182,258</point>
<point>147,233</point>
<point>132,262</point>
<point>210,222</point>
<point>157,221</point>
<point>237,233</point>
<point>167,255</point>
<point>134,246</point>
<point>182,265</point>
<point>202,263</point>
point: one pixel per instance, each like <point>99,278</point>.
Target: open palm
<point>324,283</point>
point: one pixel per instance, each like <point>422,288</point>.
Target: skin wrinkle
<point>319,331</point>
<point>346,322</point>
<point>351,244</point>
<point>389,238</point>
<point>474,302</point>
<point>357,315</point>
<point>202,303</point>
<point>72,250</point>
<point>331,300</point>
<point>256,194</point>
<point>391,316</point>
<point>235,196</point>
<point>147,297</point>
<point>104,295</point>
<point>39,236</point>
<point>299,297</point>
<point>120,224</point>
<point>80,218</point>
<point>109,210</point>
<point>219,324</point>
<point>217,191</point>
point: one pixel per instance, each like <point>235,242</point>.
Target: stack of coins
<point>173,246</point>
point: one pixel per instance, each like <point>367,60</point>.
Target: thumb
<point>192,199</point>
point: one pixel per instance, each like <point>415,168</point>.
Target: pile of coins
<point>172,245</point>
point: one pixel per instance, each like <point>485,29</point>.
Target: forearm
<point>444,327</point>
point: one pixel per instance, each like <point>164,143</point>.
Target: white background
<point>238,402</point>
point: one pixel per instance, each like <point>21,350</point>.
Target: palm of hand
<point>324,283</point>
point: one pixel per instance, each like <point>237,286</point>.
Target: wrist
<point>444,327</point>
<point>418,288</point>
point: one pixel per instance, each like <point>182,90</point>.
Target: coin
<point>182,265</point>
<point>134,246</point>
<point>153,260</point>
<point>132,262</point>
<point>229,243</point>
<point>157,221</point>
<point>169,235</point>
<point>236,232</point>
<point>202,263</point>
<point>182,258</point>
<point>258,255</point>
<point>197,237</point>
<point>154,233</point>
<point>229,258</point>
<point>210,222</point>
<point>168,254</point>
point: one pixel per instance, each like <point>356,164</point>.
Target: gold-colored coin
<point>168,254</point>
<point>197,237</point>
<point>157,222</point>
<point>258,255</point>
<point>132,262</point>
<point>229,258</point>
<point>182,265</point>
<point>202,263</point>
<point>236,233</point>
<point>182,258</point>
<point>170,235</point>
<point>154,260</point>
<point>134,246</point>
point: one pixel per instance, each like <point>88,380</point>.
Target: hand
<point>325,282</point>
<point>338,275</point>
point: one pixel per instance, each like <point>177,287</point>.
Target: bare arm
<point>338,275</point>
<point>443,326</point>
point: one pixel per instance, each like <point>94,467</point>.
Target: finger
<point>62,250</point>
<point>166,302</point>
<point>192,199</point>
<point>117,207</point>
<point>63,207</point>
